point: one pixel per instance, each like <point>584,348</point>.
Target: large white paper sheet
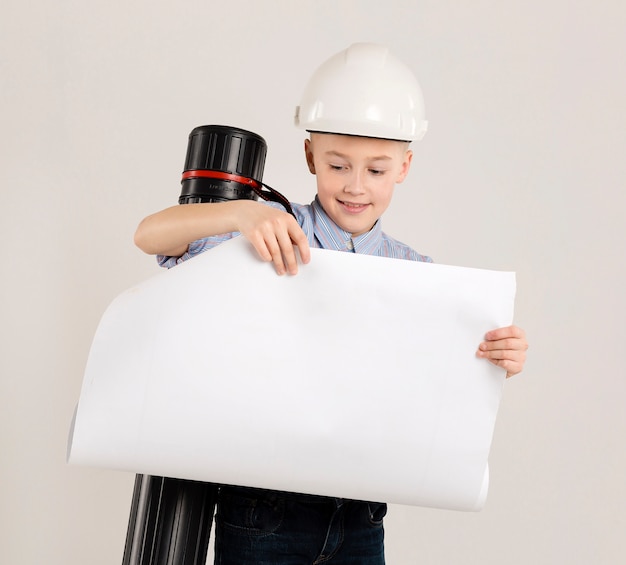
<point>357,378</point>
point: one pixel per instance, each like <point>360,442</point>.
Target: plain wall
<point>522,169</point>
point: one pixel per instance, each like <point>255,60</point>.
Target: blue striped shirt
<point>322,233</point>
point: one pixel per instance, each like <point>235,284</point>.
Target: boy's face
<point>356,176</point>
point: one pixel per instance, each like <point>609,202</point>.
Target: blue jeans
<point>263,527</point>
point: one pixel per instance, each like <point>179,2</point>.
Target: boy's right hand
<point>274,234</point>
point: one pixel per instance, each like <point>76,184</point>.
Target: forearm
<point>170,231</point>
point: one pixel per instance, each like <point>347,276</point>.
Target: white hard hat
<point>363,91</point>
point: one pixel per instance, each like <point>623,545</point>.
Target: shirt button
<point>350,245</point>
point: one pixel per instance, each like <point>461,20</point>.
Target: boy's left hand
<point>506,348</point>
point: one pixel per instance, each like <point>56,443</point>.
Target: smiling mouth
<point>353,206</point>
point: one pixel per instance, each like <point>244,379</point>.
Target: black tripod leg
<point>170,522</point>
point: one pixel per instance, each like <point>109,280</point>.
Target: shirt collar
<point>331,236</point>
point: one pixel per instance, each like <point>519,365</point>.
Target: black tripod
<point>170,522</point>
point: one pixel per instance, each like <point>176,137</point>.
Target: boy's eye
<point>377,172</point>
<point>337,167</point>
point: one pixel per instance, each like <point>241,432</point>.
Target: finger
<point>512,368</point>
<point>276,254</point>
<point>258,242</point>
<point>299,239</point>
<point>491,352</point>
<point>504,333</point>
<point>293,238</point>
<point>512,361</point>
<point>289,257</point>
<point>515,344</point>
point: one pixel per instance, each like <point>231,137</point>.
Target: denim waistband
<point>252,492</point>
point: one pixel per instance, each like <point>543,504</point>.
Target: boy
<point>362,109</point>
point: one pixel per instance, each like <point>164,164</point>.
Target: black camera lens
<point>222,163</point>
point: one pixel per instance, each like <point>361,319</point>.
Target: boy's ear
<point>406,165</point>
<point>309,156</point>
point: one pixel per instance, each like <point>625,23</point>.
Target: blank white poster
<point>356,378</point>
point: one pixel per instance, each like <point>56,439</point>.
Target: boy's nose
<point>354,184</point>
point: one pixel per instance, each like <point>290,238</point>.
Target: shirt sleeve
<point>195,248</point>
<point>415,256</point>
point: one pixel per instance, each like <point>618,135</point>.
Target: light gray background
<point>522,169</point>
